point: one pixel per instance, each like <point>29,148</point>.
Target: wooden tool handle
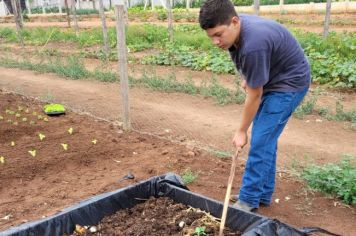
<point>228,192</point>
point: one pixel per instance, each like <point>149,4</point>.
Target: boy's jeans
<point>259,178</point>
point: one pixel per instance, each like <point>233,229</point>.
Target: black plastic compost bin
<point>92,210</point>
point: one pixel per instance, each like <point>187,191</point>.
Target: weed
<point>189,176</point>
<point>306,107</point>
<point>338,179</point>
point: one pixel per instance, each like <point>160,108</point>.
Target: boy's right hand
<point>240,139</point>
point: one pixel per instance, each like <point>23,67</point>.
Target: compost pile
<point>156,217</point>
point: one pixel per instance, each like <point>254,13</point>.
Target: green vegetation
<point>50,108</point>
<point>338,179</point>
<point>332,60</point>
<point>189,176</point>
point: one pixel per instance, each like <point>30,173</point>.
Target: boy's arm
<point>252,103</point>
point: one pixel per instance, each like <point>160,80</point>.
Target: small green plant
<point>33,152</point>
<point>12,144</point>
<point>199,231</point>
<point>189,176</point>
<point>41,136</point>
<point>306,107</point>
<point>70,130</point>
<point>65,146</point>
<point>2,160</point>
<point>338,179</point>
<point>94,141</point>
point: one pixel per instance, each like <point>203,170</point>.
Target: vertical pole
<point>170,20</point>
<point>59,6</point>
<point>43,7</point>
<point>74,12</point>
<point>187,4</point>
<point>327,18</point>
<point>94,8</point>
<point>17,21</point>
<point>122,51</point>
<point>79,5</point>
<point>19,13</point>
<point>281,6</point>
<point>105,30</point>
<point>256,6</point>
<point>152,5</point>
<point>28,7</point>
<point>67,11</point>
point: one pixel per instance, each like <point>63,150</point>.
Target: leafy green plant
<point>306,107</point>
<point>189,176</point>
<point>338,179</point>
<point>200,231</point>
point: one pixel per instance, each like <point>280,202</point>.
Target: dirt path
<point>181,117</point>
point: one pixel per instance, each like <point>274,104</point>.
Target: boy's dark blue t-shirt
<point>268,56</point>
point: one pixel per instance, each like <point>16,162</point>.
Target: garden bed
<point>156,216</point>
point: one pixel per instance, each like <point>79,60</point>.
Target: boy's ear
<point>235,19</point>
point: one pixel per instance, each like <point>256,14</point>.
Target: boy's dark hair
<point>216,12</point>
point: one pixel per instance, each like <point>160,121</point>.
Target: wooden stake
<point>228,192</point>
<point>170,20</point>
<point>122,51</point>
<point>327,18</point>
<point>74,12</point>
<point>17,21</point>
<point>105,30</point>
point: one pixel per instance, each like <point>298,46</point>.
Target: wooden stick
<point>228,192</point>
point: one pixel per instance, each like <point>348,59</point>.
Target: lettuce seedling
<point>24,119</point>
<point>20,108</point>
<point>1,117</point>
<point>45,119</point>
<point>17,115</point>
<point>15,123</point>
<point>41,136</point>
<point>94,141</point>
<point>39,117</point>
<point>32,122</point>
<point>13,144</point>
<point>33,152</point>
<point>70,130</point>
<point>2,159</point>
<point>65,146</point>
<point>27,111</point>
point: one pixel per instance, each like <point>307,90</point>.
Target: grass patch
<point>337,179</point>
<point>189,176</point>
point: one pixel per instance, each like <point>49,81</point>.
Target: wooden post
<point>327,18</point>
<point>28,7</point>
<point>19,13</point>
<point>67,11</point>
<point>17,21</point>
<point>256,6</point>
<point>170,20</point>
<point>59,6</point>
<point>74,12</point>
<point>105,30</point>
<point>281,6</point>
<point>122,51</point>
<point>43,7</point>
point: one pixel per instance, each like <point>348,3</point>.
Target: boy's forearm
<point>252,103</point>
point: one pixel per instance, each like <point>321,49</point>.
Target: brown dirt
<point>55,178</point>
<point>156,217</point>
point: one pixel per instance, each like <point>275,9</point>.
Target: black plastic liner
<point>91,211</point>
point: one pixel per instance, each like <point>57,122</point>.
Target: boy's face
<point>224,36</point>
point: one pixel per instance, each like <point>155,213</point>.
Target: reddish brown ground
<point>54,179</point>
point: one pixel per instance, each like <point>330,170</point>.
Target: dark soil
<point>156,217</point>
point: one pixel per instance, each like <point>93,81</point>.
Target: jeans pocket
<point>277,103</point>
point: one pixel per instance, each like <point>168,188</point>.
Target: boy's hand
<point>240,139</point>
